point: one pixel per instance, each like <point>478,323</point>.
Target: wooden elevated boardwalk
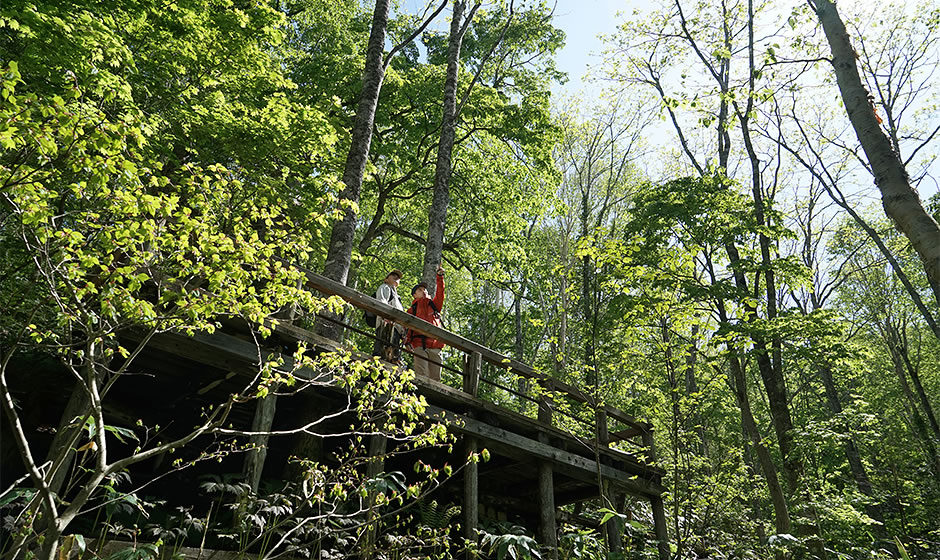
<point>536,464</point>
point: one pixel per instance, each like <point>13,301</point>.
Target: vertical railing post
<point>603,435</point>
<point>473,365</point>
<point>659,510</point>
<point>545,403</point>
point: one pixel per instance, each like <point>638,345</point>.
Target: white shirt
<point>389,295</point>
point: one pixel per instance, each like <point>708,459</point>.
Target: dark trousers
<point>387,335</point>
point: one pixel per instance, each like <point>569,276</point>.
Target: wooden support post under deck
<point>471,493</point>
<point>548,532</point>
<point>612,527</point>
<point>378,444</point>
<point>659,510</point>
<point>262,422</point>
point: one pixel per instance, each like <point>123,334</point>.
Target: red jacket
<point>422,309</point>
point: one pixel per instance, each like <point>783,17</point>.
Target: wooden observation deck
<point>536,465</point>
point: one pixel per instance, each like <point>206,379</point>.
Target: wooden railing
<point>637,472</point>
<point>477,354</point>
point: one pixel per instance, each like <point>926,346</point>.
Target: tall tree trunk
<point>680,482</point>
<point>518,349</point>
<point>437,218</point>
<point>771,366</point>
<point>773,380</point>
<point>587,294</point>
<point>343,235</point>
<point>920,427</point>
<point>739,386</point>
<point>897,341</point>
<point>901,202</point>
<point>738,383</point>
<point>561,340</point>
<point>859,472</point>
<point>904,351</point>
<point>691,388</point>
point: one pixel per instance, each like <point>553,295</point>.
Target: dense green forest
<point>724,238</point>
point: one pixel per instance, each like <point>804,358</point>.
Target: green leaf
<point>121,433</point>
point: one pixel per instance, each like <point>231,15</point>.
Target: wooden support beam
<point>442,395</point>
<point>576,466</point>
<point>471,493</point>
<point>659,527</point>
<point>622,416</point>
<point>548,531</point>
<point>224,351</point>
<point>548,534</point>
<point>603,437</point>
<point>378,445</point>
<point>545,407</point>
<point>612,526</point>
<point>623,435</point>
<point>659,510</point>
<point>262,422</point>
<point>576,496</point>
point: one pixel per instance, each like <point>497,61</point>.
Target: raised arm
<point>439,291</point>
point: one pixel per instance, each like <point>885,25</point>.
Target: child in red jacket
<point>427,350</point>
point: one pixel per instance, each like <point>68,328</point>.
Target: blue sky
<point>582,22</point>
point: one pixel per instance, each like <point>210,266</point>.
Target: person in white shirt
<point>388,333</point>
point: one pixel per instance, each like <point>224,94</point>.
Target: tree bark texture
<point>779,501</point>
<point>901,202</point>
<point>773,381</point>
<point>903,351</point>
<point>437,218</point>
<point>344,231</point>
<point>920,427</point>
<point>859,472</point>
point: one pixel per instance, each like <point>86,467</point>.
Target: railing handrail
<point>362,301</point>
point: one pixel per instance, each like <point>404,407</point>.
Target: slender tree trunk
<point>675,434</point>
<point>518,346</point>
<point>771,366</point>
<point>587,296</point>
<point>859,472</point>
<point>888,255</point>
<point>904,352</point>
<point>777,498</point>
<point>61,450</point>
<point>900,354</point>
<point>901,202</point>
<point>738,383</point>
<point>437,218</point>
<point>920,427</point>
<point>691,388</point>
<point>342,238</point>
<point>522,383</point>
<point>561,344</point>
<point>773,383</point>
